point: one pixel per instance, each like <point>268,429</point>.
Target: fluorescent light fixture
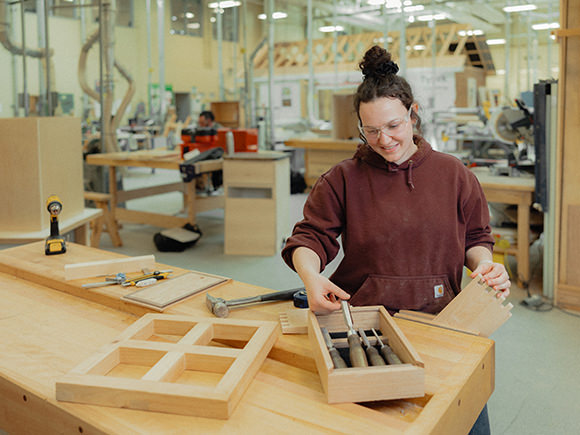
<point>545,26</point>
<point>415,8</point>
<point>328,29</point>
<point>411,19</point>
<point>476,32</point>
<point>498,41</point>
<point>500,72</point>
<point>193,26</point>
<point>375,2</point>
<point>520,8</point>
<point>431,17</point>
<point>275,15</point>
<point>418,47</point>
<point>173,18</point>
<point>393,3</point>
<point>212,20</point>
<point>407,3</point>
<point>225,4</point>
<point>189,15</point>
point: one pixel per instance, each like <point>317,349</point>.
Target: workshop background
<point>496,84</point>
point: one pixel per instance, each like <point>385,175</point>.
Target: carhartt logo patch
<point>439,290</point>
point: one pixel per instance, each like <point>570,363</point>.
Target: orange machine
<point>245,140</point>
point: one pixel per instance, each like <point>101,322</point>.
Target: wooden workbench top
<point>323,143</point>
<point>49,326</point>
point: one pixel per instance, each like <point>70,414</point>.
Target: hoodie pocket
<point>428,294</point>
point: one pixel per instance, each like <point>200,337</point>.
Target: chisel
<point>356,351</point>
<point>372,353</point>
<point>337,360</point>
<point>390,356</point>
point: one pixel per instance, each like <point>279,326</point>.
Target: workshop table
<point>320,154</point>
<point>161,159</point>
<point>50,325</point>
<point>518,191</point>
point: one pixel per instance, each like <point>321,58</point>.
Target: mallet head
<point>217,306</point>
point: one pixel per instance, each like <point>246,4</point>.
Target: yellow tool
<point>147,279</point>
<point>54,243</point>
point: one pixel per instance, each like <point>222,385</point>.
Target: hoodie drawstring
<point>410,175</point>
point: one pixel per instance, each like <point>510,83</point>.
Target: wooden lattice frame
<point>174,364</point>
<point>349,48</point>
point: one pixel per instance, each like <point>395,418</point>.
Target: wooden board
<point>477,309</point>
<point>294,321</point>
<point>108,267</point>
<point>170,291</point>
<point>174,364</point>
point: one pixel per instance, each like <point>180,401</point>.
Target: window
<point>187,17</point>
<point>229,23</point>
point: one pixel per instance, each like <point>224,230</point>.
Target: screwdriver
<point>356,351</point>
<point>372,353</point>
<point>390,356</point>
<point>337,360</point>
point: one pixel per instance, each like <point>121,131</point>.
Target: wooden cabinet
<point>40,157</point>
<point>257,190</point>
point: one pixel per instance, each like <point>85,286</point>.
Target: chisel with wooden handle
<point>357,354</point>
<point>372,353</point>
<point>390,356</point>
<point>337,360</point>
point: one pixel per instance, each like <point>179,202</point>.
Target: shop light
<point>545,26</point>
<point>476,32</point>
<point>418,47</point>
<point>431,17</point>
<point>498,41</point>
<point>189,15</point>
<point>520,8</point>
<point>225,4</point>
<point>275,15</point>
<point>500,72</point>
<point>415,8</point>
<point>328,29</point>
<point>376,2</point>
<point>193,26</point>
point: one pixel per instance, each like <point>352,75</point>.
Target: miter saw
<point>512,127</point>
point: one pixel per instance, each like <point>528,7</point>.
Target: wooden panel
<point>40,157</point>
<point>173,290</point>
<point>248,172</point>
<point>160,389</point>
<point>108,267</point>
<point>573,252</point>
<point>250,226</point>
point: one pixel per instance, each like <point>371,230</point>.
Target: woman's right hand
<point>323,295</point>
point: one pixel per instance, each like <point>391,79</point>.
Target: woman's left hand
<point>494,275</point>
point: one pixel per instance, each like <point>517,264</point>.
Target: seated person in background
<point>207,121</point>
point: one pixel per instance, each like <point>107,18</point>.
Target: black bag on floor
<point>177,239</point>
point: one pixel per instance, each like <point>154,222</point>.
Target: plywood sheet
<point>573,248</point>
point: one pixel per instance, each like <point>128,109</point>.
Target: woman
<point>409,217</point>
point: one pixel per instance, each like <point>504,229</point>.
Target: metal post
<point>310,93</point>
<point>161,56</point>
<point>403,44</point>
<point>335,45</point>
<point>149,60</point>
<point>529,47</point>
<point>104,125</point>
<point>386,31</point>
<point>235,52</point>
<point>248,84</point>
<point>269,13</point>
<point>49,111</point>
<point>83,20</point>
<point>24,71</point>
<point>40,15</point>
<point>508,41</point>
<point>220,30</point>
<point>10,13</point>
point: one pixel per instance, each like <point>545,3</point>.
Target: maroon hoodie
<point>404,228</point>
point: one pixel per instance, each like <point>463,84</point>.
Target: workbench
<point>50,325</point>
<point>320,154</point>
<point>161,159</point>
<point>518,191</point>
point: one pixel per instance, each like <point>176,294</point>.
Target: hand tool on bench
<point>140,281</point>
<point>372,353</point>
<point>390,356</point>
<point>55,243</point>
<point>117,279</point>
<point>356,351</point>
<point>337,360</point>
<point>221,308</point>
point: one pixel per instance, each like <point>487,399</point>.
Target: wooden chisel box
<point>363,384</point>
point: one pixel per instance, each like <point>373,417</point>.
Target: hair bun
<point>377,63</point>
